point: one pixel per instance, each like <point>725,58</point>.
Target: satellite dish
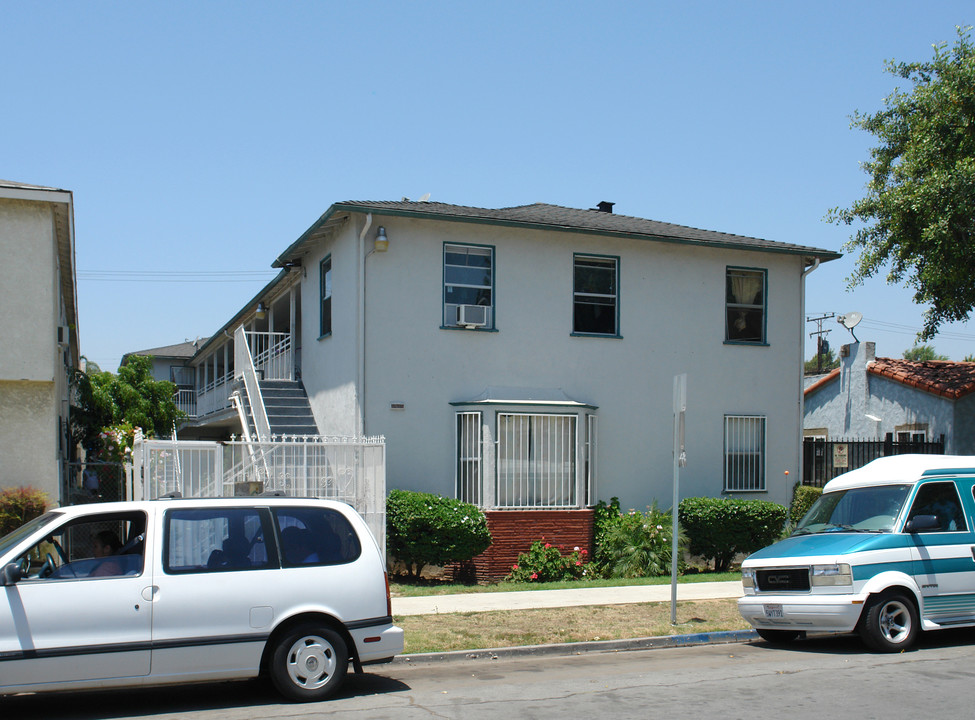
<point>425,197</point>
<point>850,321</point>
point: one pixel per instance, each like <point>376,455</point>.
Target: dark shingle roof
<point>179,350</point>
<point>543,216</point>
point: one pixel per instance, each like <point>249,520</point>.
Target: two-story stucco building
<point>39,331</point>
<point>524,358</point>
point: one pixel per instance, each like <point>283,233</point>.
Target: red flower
<point>548,545</point>
<point>584,551</point>
<point>578,562</point>
<point>534,576</point>
<point>514,567</point>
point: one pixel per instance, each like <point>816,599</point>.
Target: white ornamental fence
<point>351,470</point>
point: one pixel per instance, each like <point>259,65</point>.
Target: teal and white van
<point>888,551</point>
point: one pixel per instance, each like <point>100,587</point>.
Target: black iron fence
<point>822,460</point>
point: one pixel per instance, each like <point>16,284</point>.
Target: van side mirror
<point>922,523</point>
<point>11,574</point>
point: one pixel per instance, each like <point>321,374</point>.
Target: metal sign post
<point>680,460</point>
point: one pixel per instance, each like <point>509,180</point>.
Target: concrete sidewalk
<point>485,602</point>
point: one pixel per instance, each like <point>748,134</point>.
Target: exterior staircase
<point>288,409</point>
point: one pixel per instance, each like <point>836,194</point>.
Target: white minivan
<point>888,551</point>
<point>181,590</point>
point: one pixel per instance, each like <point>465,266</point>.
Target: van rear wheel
<point>889,622</point>
<point>309,663</point>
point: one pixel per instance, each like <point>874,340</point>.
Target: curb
<point>565,649</point>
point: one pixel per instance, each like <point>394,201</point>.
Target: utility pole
<point>822,347</point>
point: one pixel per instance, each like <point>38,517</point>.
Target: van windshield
<point>866,509</point>
<point>14,537</point>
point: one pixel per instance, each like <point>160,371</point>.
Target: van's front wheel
<point>309,663</point>
<point>889,622</point>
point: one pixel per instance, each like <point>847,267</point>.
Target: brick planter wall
<point>513,532</point>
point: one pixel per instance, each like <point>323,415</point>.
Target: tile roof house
<point>39,328</point>
<point>869,397</point>
<point>523,358</point>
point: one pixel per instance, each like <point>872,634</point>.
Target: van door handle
<point>148,593</point>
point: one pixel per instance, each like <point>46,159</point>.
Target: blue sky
<point>205,137</point>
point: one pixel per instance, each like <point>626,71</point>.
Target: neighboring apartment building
<point>39,331</point>
<point>523,358</point>
<point>869,398</point>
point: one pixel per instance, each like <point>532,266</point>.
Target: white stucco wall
<point>32,378</point>
<point>672,306</point>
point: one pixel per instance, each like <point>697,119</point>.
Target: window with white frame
<point>468,293</point>
<point>469,457</point>
<point>536,461</point>
<point>744,453</point>
<point>325,287</point>
<point>745,305</point>
<point>595,295</point>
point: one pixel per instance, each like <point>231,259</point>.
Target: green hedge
<point>721,528</point>
<point>425,529</point>
<point>19,505</point>
<point>803,497</point>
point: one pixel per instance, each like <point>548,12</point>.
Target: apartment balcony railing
<point>273,359</point>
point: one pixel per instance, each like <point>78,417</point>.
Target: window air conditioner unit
<point>472,316</point>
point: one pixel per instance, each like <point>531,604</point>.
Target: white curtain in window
<point>745,288</point>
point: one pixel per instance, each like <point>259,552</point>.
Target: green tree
<point>108,406</point>
<point>923,353</point>
<point>919,208</point>
<point>829,361</point>
<point>969,358</point>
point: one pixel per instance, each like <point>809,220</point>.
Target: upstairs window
<point>468,294</point>
<point>745,305</point>
<point>595,295</point>
<point>325,280</point>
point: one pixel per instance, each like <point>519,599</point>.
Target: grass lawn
<point>509,628</point>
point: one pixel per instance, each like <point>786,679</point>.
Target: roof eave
<point>295,248</point>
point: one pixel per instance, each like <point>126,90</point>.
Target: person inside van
<point>105,544</point>
<point>298,546</point>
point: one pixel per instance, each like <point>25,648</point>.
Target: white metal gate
<point>350,470</point>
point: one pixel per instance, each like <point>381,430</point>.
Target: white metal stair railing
<point>244,370</point>
<point>256,460</point>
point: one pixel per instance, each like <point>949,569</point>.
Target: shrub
<point>19,505</point>
<point>803,497</point>
<point>720,528</point>
<point>424,529</point>
<point>545,563</point>
<point>637,544</point>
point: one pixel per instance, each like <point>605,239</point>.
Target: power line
<point>175,276</point>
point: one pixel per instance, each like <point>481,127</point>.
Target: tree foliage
<point>828,362</point>
<point>109,406</point>
<point>919,208</point>
<point>923,353</point>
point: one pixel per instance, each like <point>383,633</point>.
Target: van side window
<point>214,540</point>
<point>95,546</point>
<point>941,500</point>
<point>315,536</point>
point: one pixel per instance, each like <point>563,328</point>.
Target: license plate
<point>773,611</point>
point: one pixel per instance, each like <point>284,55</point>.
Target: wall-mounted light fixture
<point>382,242</point>
<point>261,311</point>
